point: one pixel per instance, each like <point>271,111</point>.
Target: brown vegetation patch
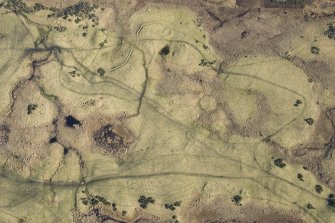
<point>285,3</point>
<point>320,160</point>
<point>4,134</point>
<point>224,211</point>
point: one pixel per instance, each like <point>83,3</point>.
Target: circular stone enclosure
<point>113,138</point>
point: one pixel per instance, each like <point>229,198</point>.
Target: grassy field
<point>180,128</point>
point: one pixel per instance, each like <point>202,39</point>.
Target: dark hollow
<point>53,140</point>
<point>66,151</point>
<point>70,121</point>
<point>164,51</point>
